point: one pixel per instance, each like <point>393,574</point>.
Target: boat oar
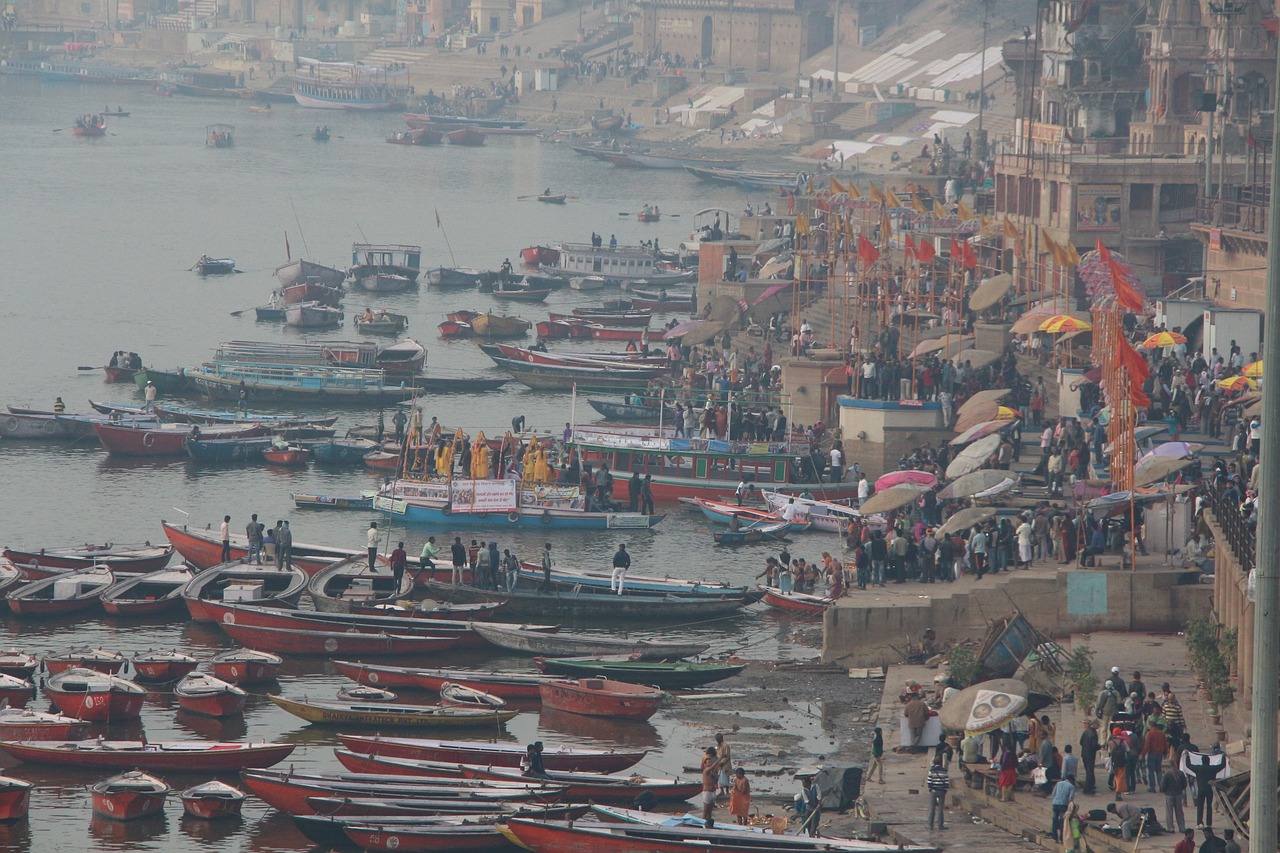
<point>241,311</point>
<point>91,367</point>
<point>57,130</point>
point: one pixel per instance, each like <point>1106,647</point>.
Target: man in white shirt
<point>864,489</point>
<point>837,464</point>
<point>373,545</point>
<point>790,510</point>
<point>1024,533</point>
<point>224,532</point>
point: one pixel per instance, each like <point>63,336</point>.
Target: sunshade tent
<point>1237,383</point>
<point>990,291</point>
<point>703,333</point>
<point>998,489</point>
<point>982,398</point>
<point>919,479</point>
<point>1153,469</point>
<point>1061,323</point>
<point>972,457</point>
<point>1176,449</point>
<point>1253,370</point>
<point>980,358</point>
<point>981,430</point>
<point>775,265</point>
<point>964,519</point>
<point>949,345</point>
<point>973,483</point>
<point>1029,322</point>
<point>1160,340</point>
<point>985,706</point>
<point>982,414</point>
<point>890,499</point>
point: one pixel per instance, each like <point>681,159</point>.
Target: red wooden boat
<point>15,692</point>
<point>20,664</point>
<point>585,787</point>
<point>575,360</point>
<point>119,374</point>
<point>289,456</point>
<point>91,126</point>
<point>380,460</point>
<point>15,798</point>
<point>598,332</point>
<point>537,256</point>
<point>25,724</point>
<point>121,559</point>
<point>203,549</point>
<point>602,697</point>
<point>639,319</point>
<point>428,839</point>
<point>451,329</point>
<point>465,136</point>
<point>558,757</point>
<point>183,756</point>
<point>163,666</point>
<point>201,693</point>
<point>213,800</point>
<point>310,641</point>
<point>290,792</point>
<point>85,657</point>
<point>462,316</point>
<point>166,439</point>
<point>89,695</point>
<point>152,594</point>
<point>246,666</point>
<point>512,686</point>
<point>129,796</point>
<point>263,586</point>
<point>795,602</point>
<point>70,592</point>
<point>312,291</point>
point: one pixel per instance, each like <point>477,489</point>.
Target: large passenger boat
<point>349,86</point>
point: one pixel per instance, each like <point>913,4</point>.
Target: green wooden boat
<point>168,382</point>
<point>668,675</point>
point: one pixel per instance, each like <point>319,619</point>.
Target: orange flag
<point>938,210</point>
<point>1011,230</point>
<point>891,198</point>
<point>877,195</point>
<point>836,186</point>
<point>1073,257</point>
<point>963,211</point>
<point>917,201</point>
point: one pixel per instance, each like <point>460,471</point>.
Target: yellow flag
<point>917,201</point>
<point>891,198</point>
<point>802,223</point>
<point>963,211</point>
<point>986,222</point>
<point>1011,230</point>
<point>877,195</point>
<point>938,210</point>
<point>1073,257</point>
<point>836,186</point>
<point>1059,256</point>
<point>852,190</point>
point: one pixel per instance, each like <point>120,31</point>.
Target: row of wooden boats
<point>131,795</point>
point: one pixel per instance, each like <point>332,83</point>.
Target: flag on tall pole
<point>925,251</point>
<point>867,252</point>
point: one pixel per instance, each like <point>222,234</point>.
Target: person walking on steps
<point>938,783</point>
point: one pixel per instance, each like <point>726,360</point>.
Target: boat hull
<point>549,519</point>
<point>97,707</point>
<point>795,603</point>
<point>314,642</point>
<point>128,805</point>
<point>513,688</point>
<point>492,754</point>
<point>579,697</point>
<point>201,757</point>
<point>15,799</point>
<point>302,270</point>
<point>391,716</point>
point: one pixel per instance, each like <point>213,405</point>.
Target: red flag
<point>1103,251</point>
<point>1132,361</point>
<point>957,254</point>
<point>970,258</point>
<point>909,247</point>
<point>925,251</point>
<point>867,252</point>
<point>1127,295</point>
<point>1139,399</point>
<point>1252,141</point>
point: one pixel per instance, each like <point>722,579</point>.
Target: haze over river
<point>98,236</point>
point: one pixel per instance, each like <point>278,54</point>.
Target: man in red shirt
<point>1188,842</point>
<point>399,558</point>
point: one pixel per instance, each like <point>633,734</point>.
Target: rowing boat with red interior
<point>555,757</point>
<point>513,686</point>
<point>602,697</point>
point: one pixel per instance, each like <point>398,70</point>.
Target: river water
<point>98,236</point>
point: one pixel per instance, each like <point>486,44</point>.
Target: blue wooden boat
<point>1007,644</point>
<point>305,501</point>
<point>227,450</point>
<point>537,517</point>
<point>764,533</point>
<point>747,517</point>
<point>224,380</point>
<point>187,415</point>
<point>269,313</point>
<point>342,451</point>
<point>596,580</point>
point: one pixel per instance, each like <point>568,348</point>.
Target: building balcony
<point>1243,216</point>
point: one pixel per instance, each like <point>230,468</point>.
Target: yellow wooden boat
<point>391,716</point>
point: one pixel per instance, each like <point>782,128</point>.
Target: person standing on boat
<point>224,533</point>
<point>458,552</point>
<point>373,546</point>
<point>427,560</point>
<point>253,530</point>
<point>646,495</point>
<point>284,546</point>
<point>634,487</point>
<point>621,562</point>
<point>58,406</point>
<point>243,398</point>
<point>150,393</point>
<point>547,564</point>
<point>399,559</point>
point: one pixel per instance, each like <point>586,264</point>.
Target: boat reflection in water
<point>121,833</point>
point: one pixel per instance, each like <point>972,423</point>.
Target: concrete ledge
<point>873,627</point>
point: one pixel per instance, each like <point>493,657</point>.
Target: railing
<point>1236,215</point>
<point>1240,537</point>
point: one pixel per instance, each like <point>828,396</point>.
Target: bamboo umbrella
<point>965,519</point>
<point>973,456</point>
<point>991,395</point>
<point>973,483</point>
<point>1160,340</point>
<point>990,291</point>
<point>985,706</point>
<point>890,499</point>
<point>1060,323</point>
<point>982,430</point>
